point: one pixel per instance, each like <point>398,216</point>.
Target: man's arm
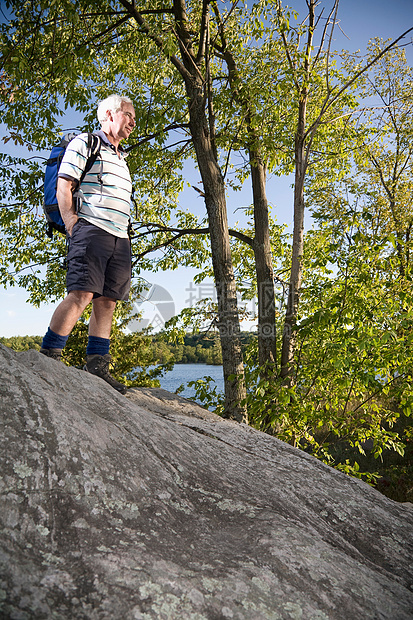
<point>66,204</point>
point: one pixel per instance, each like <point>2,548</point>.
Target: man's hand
<point>65,200</point>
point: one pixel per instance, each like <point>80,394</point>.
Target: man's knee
<point>104,305</point>
<point>81,298</point>
<point>104,301</point>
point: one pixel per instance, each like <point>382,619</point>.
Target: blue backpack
<point>50,205</point>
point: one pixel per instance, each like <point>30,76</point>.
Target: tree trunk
<point>290,323</point>
<point>202,135</point>
<point>215,202</point>
<point>267,350</point>
<point>267,353</point>
<point>301,163</point>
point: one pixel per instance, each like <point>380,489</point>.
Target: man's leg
<point>97,352</point>
<point>63,321</point>
<point>69,311</point>
<point>100,323</point>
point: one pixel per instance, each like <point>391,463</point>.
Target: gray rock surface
<point>149,507</point>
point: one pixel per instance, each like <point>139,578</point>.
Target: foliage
<point>187,354</point>
<point>354,367</point>
<point>207,394</point>
<point>352,401</point>
<point>22,343</point>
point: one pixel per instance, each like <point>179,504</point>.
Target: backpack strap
<point>93,149</point>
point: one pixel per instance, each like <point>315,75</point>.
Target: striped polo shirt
<point>105,192</point>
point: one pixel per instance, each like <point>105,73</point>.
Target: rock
<point>149,507</point>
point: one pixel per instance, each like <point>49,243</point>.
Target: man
<point>99,256</point>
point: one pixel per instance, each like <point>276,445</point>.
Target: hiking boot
<point>99,365</point>
<point>55,354</point>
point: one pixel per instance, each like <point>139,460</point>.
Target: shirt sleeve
<point>75,158</point>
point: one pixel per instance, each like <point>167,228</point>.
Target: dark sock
<point>53,340</point>
<point>97,346</point>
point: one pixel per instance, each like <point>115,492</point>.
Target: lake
<point>183,373</point>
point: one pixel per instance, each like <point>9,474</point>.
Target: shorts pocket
<point>76,250</point>
<point>77,265</point>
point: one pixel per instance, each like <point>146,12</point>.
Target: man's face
<point>123,121</point>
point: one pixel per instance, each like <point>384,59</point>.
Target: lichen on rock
<point>149,507</point>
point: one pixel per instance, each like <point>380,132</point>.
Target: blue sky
<point>360,20</point>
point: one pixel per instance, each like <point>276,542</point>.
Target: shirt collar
<point>106,141</point>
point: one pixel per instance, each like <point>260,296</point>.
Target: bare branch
<point>242,237</point>
<point>137,15</point>
<point>203,33</point>
<point>324,34</point>
<point>180,232</point>
<point>150,137</point>
<point>156,11</point>
<point>100,35</point>
<point>363,70</point>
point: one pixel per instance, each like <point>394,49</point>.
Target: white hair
<point>112,103</point>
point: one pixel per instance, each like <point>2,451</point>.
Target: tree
<point>36,49</point>
<point>312,113</point>
<point>248,134</point>
<point>352,390</point>
<point>387,163</point>
<point>318,114</point>
<point>237,113</point>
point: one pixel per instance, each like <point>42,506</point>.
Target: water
<point>182,373</point>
